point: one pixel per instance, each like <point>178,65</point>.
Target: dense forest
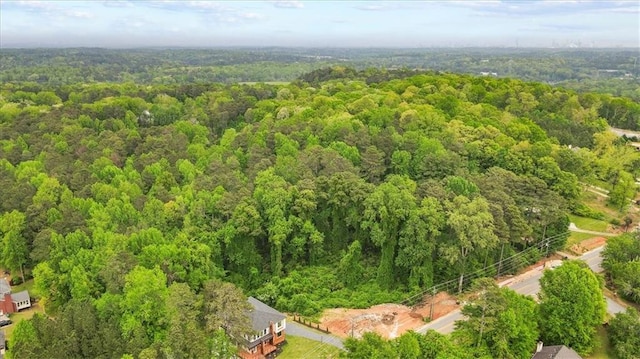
<point>344,187</point>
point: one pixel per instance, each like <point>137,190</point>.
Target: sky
<point>414,24</point>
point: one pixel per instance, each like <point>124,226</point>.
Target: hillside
<point>343,188</point>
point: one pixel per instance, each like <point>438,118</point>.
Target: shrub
<point>584,211</point>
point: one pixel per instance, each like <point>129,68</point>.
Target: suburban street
<point>529,284</point>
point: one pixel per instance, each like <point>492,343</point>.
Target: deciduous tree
<point>499,320</point>
<point>572,305</point>
<point>624,334</point>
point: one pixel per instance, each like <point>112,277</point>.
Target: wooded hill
<point>343,188</point>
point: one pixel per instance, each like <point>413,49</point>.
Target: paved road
<point>299,330</point>
<point>528,284</point>
<point>614,307</point>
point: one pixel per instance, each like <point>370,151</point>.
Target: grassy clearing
<point>603,348</point>
<point>299,347</point>
<point>576,238</point>
<point>599,203</point>
<point>589,223</point>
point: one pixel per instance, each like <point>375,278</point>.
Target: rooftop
<point>262,315</point>
<point>20,296</point>
<point>556,352</point>
<point>4,287</point>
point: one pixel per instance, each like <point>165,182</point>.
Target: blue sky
<point>124,24</point>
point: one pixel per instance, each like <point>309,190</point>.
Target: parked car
<point>5,322</point>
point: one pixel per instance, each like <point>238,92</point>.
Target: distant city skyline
<point>461,23</point>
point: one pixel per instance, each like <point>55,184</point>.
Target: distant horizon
<point>128,24</point>
<point>256,47</point>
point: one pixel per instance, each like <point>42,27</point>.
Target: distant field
<point>298,347</point>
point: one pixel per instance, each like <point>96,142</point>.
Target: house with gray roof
<point>269,327</point>
<point>555,352</point>
<point>4,287</point>
<point>12,302</point>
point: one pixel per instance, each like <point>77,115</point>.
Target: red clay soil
<point>392,320</point>
<point>588,245</point>
<point>388,320</point>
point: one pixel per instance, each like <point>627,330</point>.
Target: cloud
<point>32,5</point>
<point>251,16</point>
<point>371,7</point>
<point>378,6</point>
<point>49,9</point>
<point>117,3</point>
<point>557,28</point>
<point>288,4</point>
<point>207,6</point>
<point>211,12</point>
<point>542,7</point>
<point>78,14</point>
<point>393,5</point>
<point>240,18</point>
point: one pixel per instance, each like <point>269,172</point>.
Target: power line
<point>510,263</point>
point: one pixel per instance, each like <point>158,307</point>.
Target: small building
<point>12,302</point>
<point>554,352</point>
<point>269,327</point>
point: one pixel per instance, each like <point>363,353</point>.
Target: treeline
<point>343,191</point>
<point>57,67</point>
<point>622,263</point>
<point>612,71</point>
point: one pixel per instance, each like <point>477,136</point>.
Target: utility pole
<point>484,306</point>
<point>433,301</point>
<point>500,261</point>
<point>547,252</point>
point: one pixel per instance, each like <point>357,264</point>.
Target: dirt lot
<point>388,320</point>
<point>588,245</point>
<point>392,320</point>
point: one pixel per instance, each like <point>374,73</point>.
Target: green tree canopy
<point>572,305</point>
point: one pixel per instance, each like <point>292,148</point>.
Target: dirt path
<point>573,228</point>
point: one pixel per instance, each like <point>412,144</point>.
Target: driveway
<point>299,330</point>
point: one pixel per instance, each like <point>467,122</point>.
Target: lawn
<point>28,285</point>
<point>589,223</point>
<point>599,203</point>
<point>576,238</point>
<point>602,350</point>
<point>20,316</point>
<point>299,347</point>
